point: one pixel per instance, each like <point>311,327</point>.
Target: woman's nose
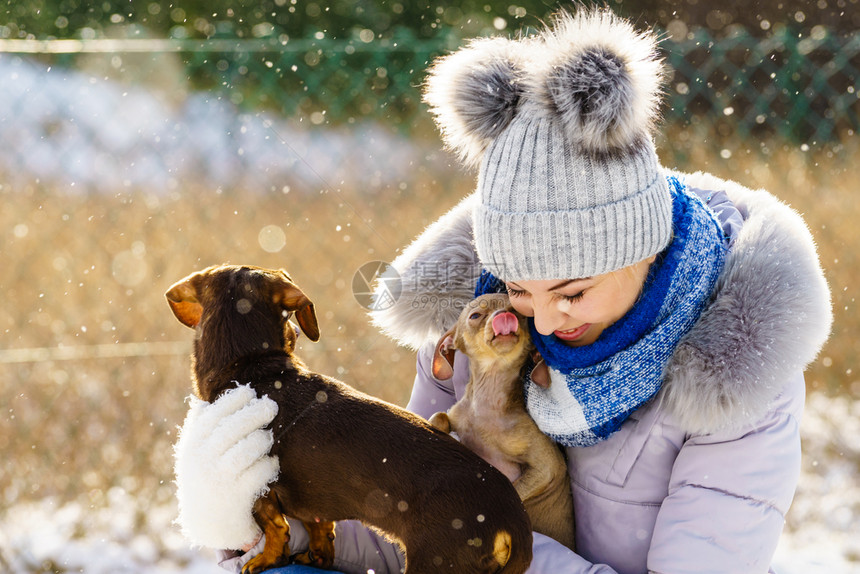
<point>547,318</point>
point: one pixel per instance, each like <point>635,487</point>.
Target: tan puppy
<point>491,418</point>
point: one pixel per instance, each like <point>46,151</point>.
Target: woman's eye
<point>515,292</point>
<point>573,298</point>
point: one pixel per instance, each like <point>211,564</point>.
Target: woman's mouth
<point>572,334</point>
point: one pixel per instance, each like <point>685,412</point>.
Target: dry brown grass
<point>89,271</point>
<point>84,271</point>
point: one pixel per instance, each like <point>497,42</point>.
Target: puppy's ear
<point>443,357</point>
<point>182,298</point>
<point>540,372</point>
<point>293,299</point>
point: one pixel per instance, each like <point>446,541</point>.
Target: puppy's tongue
<point>505,324</point>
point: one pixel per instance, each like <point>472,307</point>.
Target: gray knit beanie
<point>561,125</point>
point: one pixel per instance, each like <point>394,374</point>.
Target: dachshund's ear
<point>182,298</point>
<point>307,318</point>
<point>292,298</point>
<point>443,357</point>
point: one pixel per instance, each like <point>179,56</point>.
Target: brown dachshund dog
<point>343,454</point>
<point>491,418</point>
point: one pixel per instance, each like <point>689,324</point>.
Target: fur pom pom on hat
<point>604,80</point>
<point>474,92</point>
<point>561,125</point>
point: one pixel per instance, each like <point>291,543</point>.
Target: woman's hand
<point>222,466</point>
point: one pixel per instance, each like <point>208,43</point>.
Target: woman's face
<point>577,311</point>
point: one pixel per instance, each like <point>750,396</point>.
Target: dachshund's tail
<point>508,556</point>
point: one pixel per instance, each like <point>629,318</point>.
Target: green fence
<point>803,89</point>
<point>800,88</point>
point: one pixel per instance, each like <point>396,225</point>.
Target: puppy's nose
<point>505,323</point>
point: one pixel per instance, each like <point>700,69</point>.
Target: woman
<point>676,313</point>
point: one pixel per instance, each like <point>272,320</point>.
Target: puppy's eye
<point>475,315</point>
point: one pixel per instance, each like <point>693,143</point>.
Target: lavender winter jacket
<point>699,479</point>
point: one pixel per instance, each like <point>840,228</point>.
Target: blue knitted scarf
<point>596,387</point>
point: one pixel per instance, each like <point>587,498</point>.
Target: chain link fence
<point>799,89</point>
<point>804,89</point>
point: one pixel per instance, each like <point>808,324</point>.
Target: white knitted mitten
<point>222,466</point>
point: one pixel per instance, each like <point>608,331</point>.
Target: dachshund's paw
<point>269,558</point>
<point>260,563</point>
<point>319,557</point>
<point>256,565</point>
<point>313,558</point>
<point>320,552</point>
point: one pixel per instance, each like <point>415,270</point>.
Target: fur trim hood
<point>769,316</point>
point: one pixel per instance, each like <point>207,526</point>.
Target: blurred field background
<point>93,366</point>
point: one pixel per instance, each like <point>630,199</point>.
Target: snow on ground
<point>128,536</point>
<point>131,535</point>
<point>824,520</point>
<point>74,131</point>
